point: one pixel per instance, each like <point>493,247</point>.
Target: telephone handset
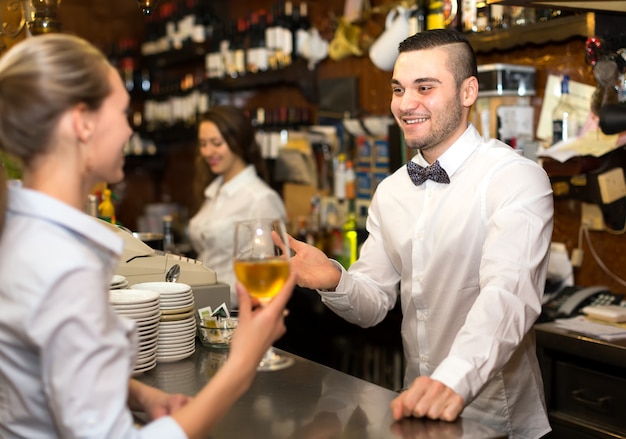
<point>571,300</point>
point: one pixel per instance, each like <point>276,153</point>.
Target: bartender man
<point>464,229</point>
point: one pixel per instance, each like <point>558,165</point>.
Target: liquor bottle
<point>271,37</point>
<point>483,20</point>
<point>348,230</point>
<point>339,183</point>
<point>92,205</point>
<point>302,27</point>
<point>417,19</point>
<point>286,35</point>
<point>435,18</point>
<point>258,59</point>
<point>565,123</point>
<point>227,48</point>
<point>201,24</point>
<point>468,15</point>
<point>499,17</point>
<point>168,235</point>
<point>214,61</point>
<point>106,210</point>
<point>240,48</point>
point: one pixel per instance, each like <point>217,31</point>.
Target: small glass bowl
<point>217,333</point>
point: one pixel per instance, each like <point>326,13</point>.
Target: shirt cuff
<point>163,428</point>
<point>459,375</point>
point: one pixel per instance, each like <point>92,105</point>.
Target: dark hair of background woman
<point>238,132</point>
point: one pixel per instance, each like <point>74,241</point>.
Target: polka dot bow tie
<point>419,174</point>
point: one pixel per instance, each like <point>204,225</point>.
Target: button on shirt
<point>212,229</point>
<point>471,259</point>
<point>65,355</point>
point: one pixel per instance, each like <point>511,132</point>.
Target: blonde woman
<point>65,356</point>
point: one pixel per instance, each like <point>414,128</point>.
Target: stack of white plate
<point>118,282</point>
<point>177,327</point>
<point>144,307</point>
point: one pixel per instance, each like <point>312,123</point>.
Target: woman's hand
<point>259,326</point>
<point>154,402</point>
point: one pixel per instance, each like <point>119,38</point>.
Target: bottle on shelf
<point>240,49</point>
<point>349,228</point>
<point>214,61</point>
<point>169,245</point>
<point>92,205</point>
<point>435,18</point>
<point>483,18</point>
<point>106,209</point>
<point>271,37</point>
<point>257,58</point>
<point>227,49</point>
<point>302,26</point>
<point>468,15</point>
<point>417,19</point>
<point>565,120</point>
<point>285,38</point>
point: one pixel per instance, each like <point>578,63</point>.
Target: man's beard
<point>440,131</point>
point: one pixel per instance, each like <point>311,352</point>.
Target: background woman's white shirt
<point>211,230</point>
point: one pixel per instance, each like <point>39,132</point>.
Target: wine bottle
<point>302,28</point>
<point>214,62</point>
<point>257,49</point>
<point>285,42</point>
<point>417,19</point>
<point>271,37</point>
<point>565,123</point>
<point>240,48</point>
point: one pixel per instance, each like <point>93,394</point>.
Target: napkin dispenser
<point>141,263</point>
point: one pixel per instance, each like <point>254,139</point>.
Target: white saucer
<point>163,288</point>
<point>137,306</point>
<point>147,367</point>
<point>128,296</point>
<point>173,357</point>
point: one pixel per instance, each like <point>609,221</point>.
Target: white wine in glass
<point>261,262</point>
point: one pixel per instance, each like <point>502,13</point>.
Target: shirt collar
<point>31,203</point>
<point>452,159</point>
<point>232,186</point>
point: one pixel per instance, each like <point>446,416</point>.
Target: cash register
<point>141,263</point>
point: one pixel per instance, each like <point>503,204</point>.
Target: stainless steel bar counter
<point>306,400</point>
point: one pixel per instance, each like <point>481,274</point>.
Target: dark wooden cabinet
<point>585,384</point>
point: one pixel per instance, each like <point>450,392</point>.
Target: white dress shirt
<point>65,355</point>
<point>212,229</point>
<point>471,259</point>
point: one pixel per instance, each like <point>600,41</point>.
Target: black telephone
<point>571,300</point>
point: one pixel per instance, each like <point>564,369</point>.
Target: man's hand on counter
<point>427,398</point>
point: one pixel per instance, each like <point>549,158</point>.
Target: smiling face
<point>216,153</point>
<point>426,102</point>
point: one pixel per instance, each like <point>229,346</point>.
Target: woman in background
<point>66,357</point>
<point>230,186</point>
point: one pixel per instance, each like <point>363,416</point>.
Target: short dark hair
<point>461,57</point>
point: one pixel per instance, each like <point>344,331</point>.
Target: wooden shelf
<point>560,29</point>
<point>584,5</point>
<point>297,74</point>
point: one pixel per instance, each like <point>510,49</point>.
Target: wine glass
<point>261,262</point>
